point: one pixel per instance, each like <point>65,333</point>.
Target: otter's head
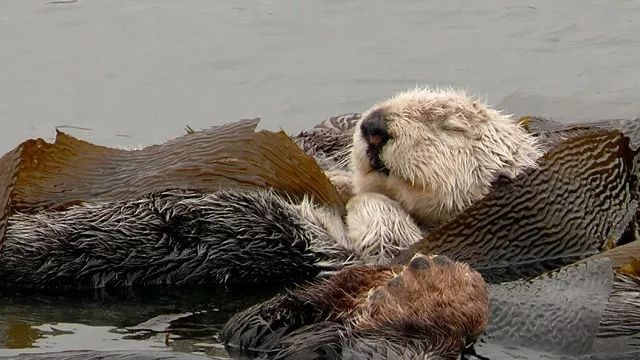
<point>437,151</point>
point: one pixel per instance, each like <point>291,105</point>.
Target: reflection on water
<point>177,319</point>
<point>18,334</point>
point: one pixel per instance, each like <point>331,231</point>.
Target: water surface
<point>136,72</point>
<point>168,319</point>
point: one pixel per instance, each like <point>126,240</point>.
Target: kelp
<point>552,132</point>
<point>579,202</point>
<point>624,255</point>
<point>557,313</point>
<point>39,176</point>
<point>585,310</point>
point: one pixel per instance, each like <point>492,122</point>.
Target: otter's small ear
<point>455,124</point>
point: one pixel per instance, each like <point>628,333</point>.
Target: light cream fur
<point>445,150</point>
<point>379,228</point>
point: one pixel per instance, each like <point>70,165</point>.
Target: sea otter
<point>415,161</point>
<point>401,148</point>
<point>179,236</point>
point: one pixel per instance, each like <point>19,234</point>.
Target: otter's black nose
<point>374,129</point>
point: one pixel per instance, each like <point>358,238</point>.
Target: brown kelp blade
<point>557,313</point>
<point>580,200</point>
<point>627,255</point>
<point>41,176</point>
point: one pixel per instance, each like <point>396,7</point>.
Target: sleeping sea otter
<point>182,236</point>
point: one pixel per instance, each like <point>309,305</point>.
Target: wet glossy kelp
<point>580,201</point>
<point>41,176</point>
<point>582,311</point>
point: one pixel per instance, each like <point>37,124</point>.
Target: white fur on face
<point>444,151</point>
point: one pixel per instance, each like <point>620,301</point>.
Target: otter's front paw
<point>432,298</point>
<point>379,228</point>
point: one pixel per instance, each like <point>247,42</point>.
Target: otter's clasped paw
<point>430,296</point>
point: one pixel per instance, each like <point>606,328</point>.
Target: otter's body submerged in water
<point>417,161</point>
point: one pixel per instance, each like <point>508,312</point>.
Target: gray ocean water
<point>134,73</point>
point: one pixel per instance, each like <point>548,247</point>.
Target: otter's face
<point>433,151</point>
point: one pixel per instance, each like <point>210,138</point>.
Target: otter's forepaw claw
<point>418,263</point>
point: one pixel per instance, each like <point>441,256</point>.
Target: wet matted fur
<point>174,237</point>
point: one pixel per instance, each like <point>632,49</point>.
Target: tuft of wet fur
<point>625,299</point>
<point>431,307</point>
<point>328,142</point>
<point>444,151</point>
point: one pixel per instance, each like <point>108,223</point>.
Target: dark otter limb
<point>321,341</point>
<point>262,326</point>
<point>176,237</point>
<point>432,307</point>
